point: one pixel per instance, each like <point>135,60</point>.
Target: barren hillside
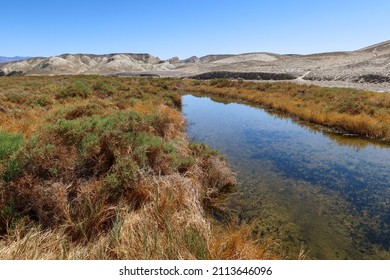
<point>368,66</point>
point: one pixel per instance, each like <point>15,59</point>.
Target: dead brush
<point>32,244</point>
<point>90,212</point>
<point>79,208</point>
<point>100,158</point>
<point>46,161</point>
<point>158,161</point>
<point>47,203</point>
<point>216,176</point>
<point>144,108</point>
<point>159,229</point>
<point>213,173</point>
<point>174,125</point>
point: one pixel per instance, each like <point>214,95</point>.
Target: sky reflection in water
<point>331,192</point>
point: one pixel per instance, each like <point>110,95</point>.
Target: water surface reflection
<point>300,184</point>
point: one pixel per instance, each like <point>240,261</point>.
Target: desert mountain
<point>367,65</point>
<point>70,64</point>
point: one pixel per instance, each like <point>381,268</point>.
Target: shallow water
<point>302,186</point>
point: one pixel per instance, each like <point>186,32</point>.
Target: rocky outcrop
<point>372,78</point>
<point>15,73</point>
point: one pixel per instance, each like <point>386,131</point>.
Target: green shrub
<point>9,144</point>
<point>182,163</point>
<point>75,112</point>
<point>198,149</point>
<point>13,168</point>
<point>42,101</point>
<point>75,89</point>
<point>121,177</point>
<point>18,98</point>
<point>103,88</point>
<point>147,149</point>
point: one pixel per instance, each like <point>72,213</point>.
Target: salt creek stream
<point>301,185</point>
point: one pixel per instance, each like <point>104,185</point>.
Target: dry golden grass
<point>237,243</point>
<point>171,224</point>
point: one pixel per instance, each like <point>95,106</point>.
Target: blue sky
<point>190,27</point>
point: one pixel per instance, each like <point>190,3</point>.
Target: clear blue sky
<point>190,27</point>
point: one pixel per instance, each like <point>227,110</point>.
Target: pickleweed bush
<point>79,111</point>
<point>9,168</point>
<point>104,88</point>
<point>121,178</point>
<point>9,144</point>
<point>17,97</point>
<point>12,168</point>
<point>42,101</point>
<point>182,163</point>
<point>75,89</point>
<point>80,144</point>
<point>198,148</point>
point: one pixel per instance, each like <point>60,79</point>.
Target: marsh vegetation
<point>99,168</point>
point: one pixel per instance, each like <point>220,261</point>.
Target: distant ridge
<point>385,44</point>
<point>370,65</point>
<point>15,58</point>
